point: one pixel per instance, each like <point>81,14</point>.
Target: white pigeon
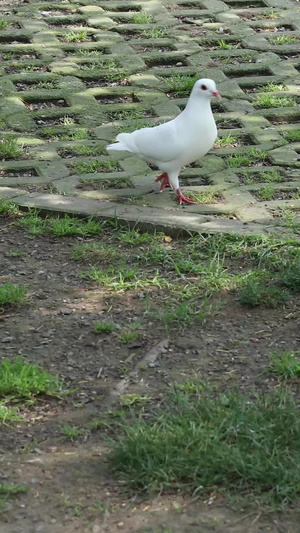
<point>179,142</point>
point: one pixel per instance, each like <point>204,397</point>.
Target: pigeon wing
<point>162,143</point>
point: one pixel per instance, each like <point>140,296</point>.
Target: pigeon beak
<point>216,94</point>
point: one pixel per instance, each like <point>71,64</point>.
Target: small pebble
<point>65,311</point>
<point>7,339</point>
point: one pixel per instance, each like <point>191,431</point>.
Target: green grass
<point>8,208</point>
<point>266,192</point>
<point>83,150</point>
<point>9,148</point>
<point>93,252</point>
<point>101,64</point>
<point>292,135</point>
<point>132,125</point>
<point>231,442</point>
<point>90,167</point>
<point>268,15</point>
<point>104,327</point>
<point>122,278</point>
<point>15,253</point>
<point>285,364</point>
<point>180,84</point>
<point>130,114</point>
<point>112,183</point>
<point>182,315</point>
<point>270,176</point>
<point>227,141</point>
<point>11,294</point>
<point>59,226</point>
<point>155,33</point>
<point>20,380</point>
<point>3,24</point>
<point>272,87</point>
<point>134,237</point>
<point>265,101</point>
<point>225,46</point>
<point>76,134</point>
<point>48,84</point>
<point>88,53</point>
<point>130,333</point>
<point>289,275</point>
<point>8,415</point>
<point>207,196</point>
<point>256,293</point>
<point>247,159</point>
<point>71,432</point>
<point>33,223</point>
<point>284,39</point>
<point>133,399</point>
<point>75,37</point>
<point>142,18</point>
<point>74,226</point>
<point>7,490</point>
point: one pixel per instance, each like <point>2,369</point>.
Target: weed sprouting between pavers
<point>9,148</point>
<point>265,101</point>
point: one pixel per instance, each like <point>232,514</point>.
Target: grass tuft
<point>256,293</point>
<point>142,18</point>
<point>130,333</point>
<point>180,84</point>
<point>74,226</point>
<point>90,167</point>
<point>285,364</point>
<point>8,208</point>
<point>71,432</point>
<point>292,135</point>
<point>104,327</point>
<point>75,37</point>
<point>248,159</point>
<point>265,101</point>
<point>284,39</point>
<point>289,275</point>
<point>9,148</point>
<point>11,294</point>
<point>8,415</point>
<point>202,442</point>
<point>19,379</point>
<point>155,33</point>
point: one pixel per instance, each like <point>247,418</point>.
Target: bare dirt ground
<point>70,486</point>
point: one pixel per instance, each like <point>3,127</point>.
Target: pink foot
<point>165,182</point>
<point>183,199</point>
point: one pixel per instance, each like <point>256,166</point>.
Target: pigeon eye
<point>203,87</point>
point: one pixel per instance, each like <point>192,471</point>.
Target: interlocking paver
<point>73,75</point>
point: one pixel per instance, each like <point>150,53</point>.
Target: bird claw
<point>165,182</point>
<point>183,199</point>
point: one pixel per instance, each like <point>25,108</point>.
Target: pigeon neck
<point>196,102</point>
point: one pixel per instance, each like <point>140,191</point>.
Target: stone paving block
<point>74,75</point>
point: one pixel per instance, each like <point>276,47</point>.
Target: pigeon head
<point>206,88</point>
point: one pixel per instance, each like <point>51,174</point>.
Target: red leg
<point>183,199</point>
<point>164,178</point>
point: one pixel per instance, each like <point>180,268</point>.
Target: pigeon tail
<point>121,143</point>
<point>117,146</point>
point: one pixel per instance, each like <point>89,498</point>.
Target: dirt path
<point>70,486</point>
